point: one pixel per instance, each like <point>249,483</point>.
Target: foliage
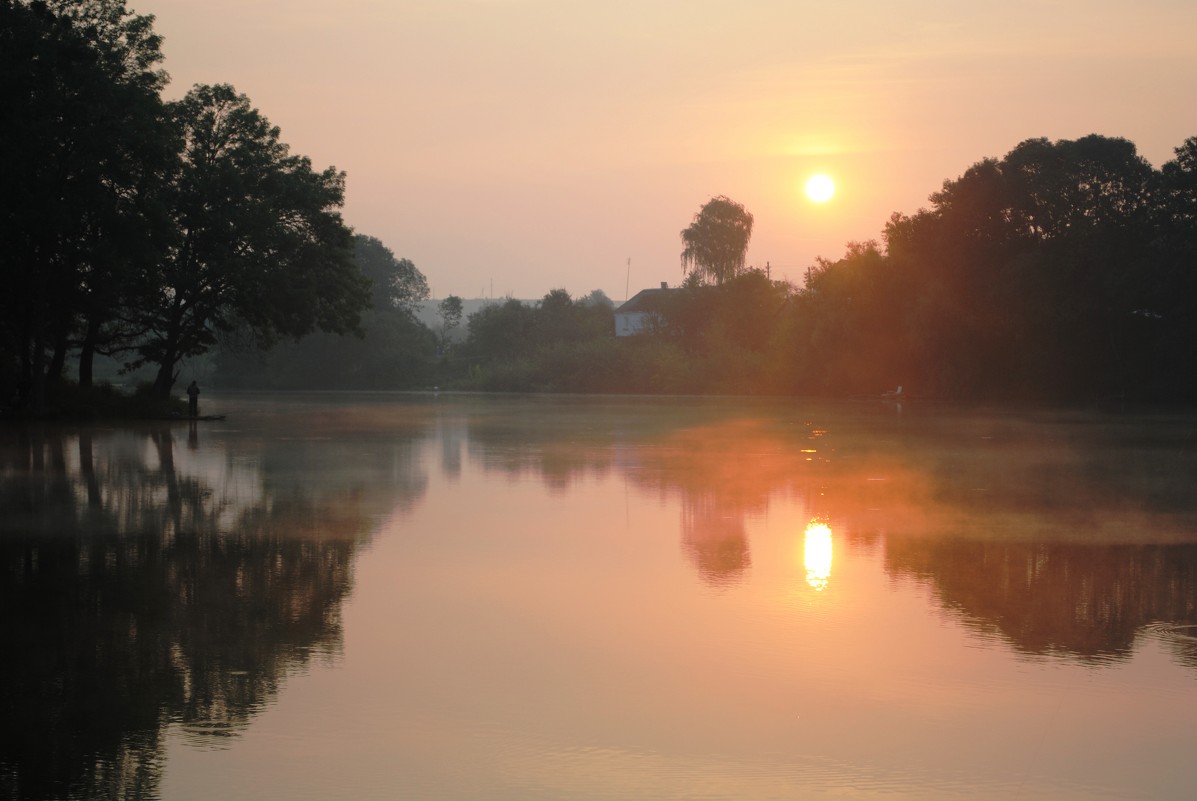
<point>841,335</point>
<point>712,339</point>
<point>129,224</point>
<point>511,339</point>
<point>151,231</point>
<point>597,297</point>
<point>392,350</point>
<point>716,242</point>
<point>499,331</point>
<point>85,143</point>
<point>450,312</point>
<point>1050,274</point>
<point>1027,273</point>
<point>1062,271</point>
<point>68,400</point>
<point>741,312</point>
<point>394,353</point>
<point>395,283</point>
<point>260,244</point>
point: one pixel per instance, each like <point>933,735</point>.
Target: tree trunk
<point>54,371</point>
<point>37,375</point>
<point>86,356</point>
<point>165,380</point>
<point>87,352</point>
<point>25,378</point>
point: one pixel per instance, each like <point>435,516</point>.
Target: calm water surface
<point>455,597</point>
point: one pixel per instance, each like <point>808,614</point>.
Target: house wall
<point>630,323</point>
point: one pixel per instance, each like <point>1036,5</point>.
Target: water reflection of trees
<point>1062,533</point>
<point>724,473</point>
<point>147,584</point>
<point>1085,601</point>
<point>722,468</point>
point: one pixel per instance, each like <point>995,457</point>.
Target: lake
<point>390,596</point>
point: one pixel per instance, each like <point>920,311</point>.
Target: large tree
<point>716,242</point>
<point>260,244</point>
<point>126,228</point>
<point>84,141</point>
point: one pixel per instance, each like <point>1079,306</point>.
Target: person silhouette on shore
<point>193,391</point>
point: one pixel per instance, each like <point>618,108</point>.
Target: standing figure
<point>193,399</point>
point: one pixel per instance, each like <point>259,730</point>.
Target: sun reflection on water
<point>816,553</point>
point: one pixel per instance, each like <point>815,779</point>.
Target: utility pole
<point>627,281</point>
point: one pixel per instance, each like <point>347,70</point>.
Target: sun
<point>820,188</point>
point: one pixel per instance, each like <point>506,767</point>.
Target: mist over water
<point>474,597</point>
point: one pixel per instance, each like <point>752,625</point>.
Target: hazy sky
<point>527,145</point>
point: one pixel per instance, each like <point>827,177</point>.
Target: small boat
<point>893,395</point>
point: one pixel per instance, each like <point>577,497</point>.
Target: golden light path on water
<point>816,554</point>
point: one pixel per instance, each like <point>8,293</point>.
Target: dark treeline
<point>143,229</point>
<point>703,339</point>
<point>392,349</point>
<point>1064,271</point>
<point>153,232</point>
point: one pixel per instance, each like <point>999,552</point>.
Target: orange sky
<point>527,145</point>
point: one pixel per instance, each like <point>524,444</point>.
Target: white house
<point>641,313</point>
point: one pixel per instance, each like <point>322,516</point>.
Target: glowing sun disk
<point>820,188</point>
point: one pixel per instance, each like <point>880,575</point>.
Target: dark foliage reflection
<point>1061,534</point>
<point>1084,601</point>
<point>723,470</point>
<point>147,581</point>
<point>154,577</point>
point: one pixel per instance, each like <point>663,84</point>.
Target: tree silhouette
<point>395,349</point>
<point>260,242</point>
<point>85,144</point>
<point>717,240</point>
<point>397,284</point>
<point>450,311</point>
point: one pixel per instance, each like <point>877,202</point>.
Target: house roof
<point>643,301</point>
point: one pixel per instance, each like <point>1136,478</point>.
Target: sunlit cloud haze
<point>525,145</point>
